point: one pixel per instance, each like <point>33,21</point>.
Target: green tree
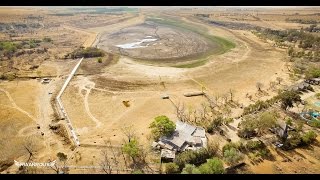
<point>162,126</point>
<point>132,149</point>
<point>232,156</point>
<point>287,99</point>
<point>266,121</point>
<point>212,166</point>
<point>171,168</point>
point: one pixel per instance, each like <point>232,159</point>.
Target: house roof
<point>185,128</point>
<point>167,154</point>
<point>183,135</point>
<point>199,132</point>
<point>315,79</point>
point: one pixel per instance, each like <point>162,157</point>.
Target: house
<point>184,137</point>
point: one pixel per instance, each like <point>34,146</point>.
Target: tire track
<point>15,106</point>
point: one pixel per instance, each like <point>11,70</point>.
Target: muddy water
<point>135,44</point>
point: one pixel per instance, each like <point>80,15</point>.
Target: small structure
<point>45,80</point>
<point>313,81</point>
<point>165,96</point>
<point>184,137</point>
<point>167,155</point>
<point>190,94</point>
<point>282,130</point>
<point>302,86</point>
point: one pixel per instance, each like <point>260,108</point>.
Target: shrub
<point>99,60</point>
<point>190,169</point>
<point>313,73</point>
<point>47,39</point>
<point>212,166</point>
<point>8,76</point>
<point>254,145</point>
<point>229,146</point>
<point>87,53</point>
<point>315,124</point>
<point>232,156</point>
<point>308,137</point>
<point>192,157</point>
<point>171,168</point>
<point>137,172</point>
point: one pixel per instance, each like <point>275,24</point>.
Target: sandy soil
<point>95,103</point>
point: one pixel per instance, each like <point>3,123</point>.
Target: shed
<point>167,154</point>
<point>197,93</point>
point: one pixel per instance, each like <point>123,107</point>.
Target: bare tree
<point>217,97</point>
<point>231,92</point>
<point>272,85</point>
<point>129,132</point>
<point>180,112</point>
<point>259,86</point>
<point>105,162</point>
<point>30,146</point>
<point>225,97</point>
<point>279,79</point>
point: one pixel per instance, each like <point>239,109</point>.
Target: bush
<point>87,53</point>
<point>8,76</point>
<point>47,39</point>
<point>229,146</point>
<point>192,157</point>
<point>171,168</point>
<point>212,166</point>
<point>315,124</point>
<point>309,137</point>
<point>137,172</point>
<point>264,153</point>
<point>313,73</point>
<point>99,60</point>
<point>210,129</point>
<point>254,145</point>
<point>232,156</point>
<point>217,122</point>
<point>190,169</point>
